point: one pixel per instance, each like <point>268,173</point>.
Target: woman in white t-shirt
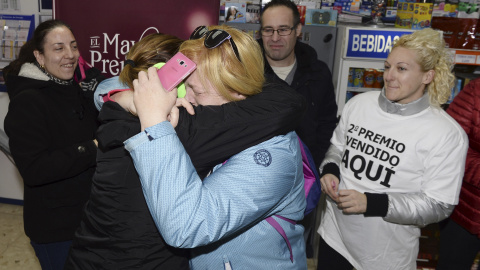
<point>395,163</point>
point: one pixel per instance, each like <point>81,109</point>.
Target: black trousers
<point>329,259</point>
<point>458,247</point>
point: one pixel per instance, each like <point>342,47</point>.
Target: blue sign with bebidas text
<point>371,43</point>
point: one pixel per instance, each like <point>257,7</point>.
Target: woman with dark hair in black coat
<point>51,124</point>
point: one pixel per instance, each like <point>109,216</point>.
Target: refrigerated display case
<point>361,48</point>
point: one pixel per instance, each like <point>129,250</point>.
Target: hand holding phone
<point>181,90</point>
<point>175,71</point>
<point>152,102</point>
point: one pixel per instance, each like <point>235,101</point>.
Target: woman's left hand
<point>152,102</point>
<point>352,202</point>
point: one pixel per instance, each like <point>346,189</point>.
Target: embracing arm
<point>215,133</point>
<point>237,195</point>
<point>277,110</point>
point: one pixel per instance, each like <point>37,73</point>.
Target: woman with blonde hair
<point>222,218</point>
<point>432,55</point>
<point>395,163</point>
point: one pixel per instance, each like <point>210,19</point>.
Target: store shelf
<point>466,57</point>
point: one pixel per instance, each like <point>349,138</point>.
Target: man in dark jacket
<point>296,63</point>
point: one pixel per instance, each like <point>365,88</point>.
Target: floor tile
<point>19,257</point>
<point>16,253</point>
<point>11,229</point>
<point>11,209</point>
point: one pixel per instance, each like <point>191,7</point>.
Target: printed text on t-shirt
<point>378,151</point>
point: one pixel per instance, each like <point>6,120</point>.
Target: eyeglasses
<point>214,38</point>
<point>268,32</point>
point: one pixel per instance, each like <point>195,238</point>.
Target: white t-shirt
<point>282,72</point>
<point>390,153</point>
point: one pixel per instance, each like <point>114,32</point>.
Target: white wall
<point>27,7</point>
<point>11,183</point>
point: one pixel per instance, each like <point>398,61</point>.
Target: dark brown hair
<point>150,50</point>
<point>285,3</point>
<point>36,43</point>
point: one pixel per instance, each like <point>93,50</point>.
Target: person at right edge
<point>395,163</point>
<point>296,63</point>
<point>460,234</point>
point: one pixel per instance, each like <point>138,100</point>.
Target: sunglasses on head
<point>214,38</point>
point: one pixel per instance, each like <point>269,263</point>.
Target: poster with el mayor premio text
<point>106,30</point>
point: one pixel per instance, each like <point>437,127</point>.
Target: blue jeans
<point>52,256</point>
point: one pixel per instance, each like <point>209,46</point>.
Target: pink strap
<point>307,172</point>
<point>107,96</point>
<point>280,230</point>
<point>81,64</point>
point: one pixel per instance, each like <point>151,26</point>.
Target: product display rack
<point>466,57</point>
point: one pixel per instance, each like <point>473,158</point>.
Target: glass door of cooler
<point>363,80</point>
<point>358,77</point>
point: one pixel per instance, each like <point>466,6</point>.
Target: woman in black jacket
<point>51,126</point>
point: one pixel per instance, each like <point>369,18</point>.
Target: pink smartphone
<point>175,70</point>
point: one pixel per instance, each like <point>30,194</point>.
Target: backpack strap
<point>280,230</point>
<point>312,184</point>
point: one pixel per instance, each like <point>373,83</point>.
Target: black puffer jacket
<point>117,231</point>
